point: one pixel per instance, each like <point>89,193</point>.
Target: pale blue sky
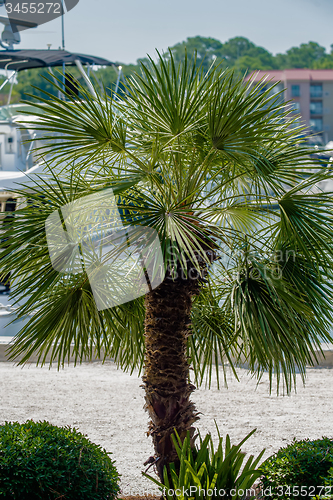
<point>128,29</point>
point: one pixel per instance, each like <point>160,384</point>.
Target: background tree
<point>325,62</point>
<point>240,48</point>
<point>208,50</point>
<point>238,53</point>
<point>211,165</point>
<point>307,55</point>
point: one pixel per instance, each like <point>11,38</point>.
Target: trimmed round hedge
<point>44,462</point>
<point>302,470</point>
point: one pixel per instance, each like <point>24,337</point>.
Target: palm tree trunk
<point>166,377</point>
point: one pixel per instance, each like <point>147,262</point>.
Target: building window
<point>295,107</point>
<point>263,88</point>
<point>316,90</point>
<point>295,91</point>
<point>316,124</point>
<point>316,108</point>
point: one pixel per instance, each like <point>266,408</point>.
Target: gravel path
<point>107,405</point>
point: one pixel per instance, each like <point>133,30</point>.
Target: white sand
<point>107,405</point>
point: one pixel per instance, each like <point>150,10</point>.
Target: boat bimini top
<point>18,60</point>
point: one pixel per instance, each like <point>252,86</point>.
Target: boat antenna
<point>63,25</point>
<point>63,47</point>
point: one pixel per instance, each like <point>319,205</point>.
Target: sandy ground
<point>107,405</point>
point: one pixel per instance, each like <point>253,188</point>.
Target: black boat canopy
<point>18,60</point>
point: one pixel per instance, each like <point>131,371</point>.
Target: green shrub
<point>44,462</point>
<point>304,469</point>
<point>217,473</point>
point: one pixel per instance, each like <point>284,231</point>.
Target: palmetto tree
<point>214,166</point>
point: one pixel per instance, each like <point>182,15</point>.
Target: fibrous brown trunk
<point>166,377</point>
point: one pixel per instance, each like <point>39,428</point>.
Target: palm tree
<point>215,166</point>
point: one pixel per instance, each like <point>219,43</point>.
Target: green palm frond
<point>277,318</point>
<point>88,126</point>
<point>238,112</point>
<point>168,101</point>
<point>67,324</point>
<point>305,221</point>
<point>213,342</point>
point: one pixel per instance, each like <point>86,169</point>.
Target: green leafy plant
<point>205,473</point>
<point>44,462</point>
<point>304,468</point>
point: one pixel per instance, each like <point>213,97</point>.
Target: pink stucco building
<point>311,91</point>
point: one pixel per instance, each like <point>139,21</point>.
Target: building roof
<point>292,74</point>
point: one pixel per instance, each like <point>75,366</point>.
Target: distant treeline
<point>238,53</point>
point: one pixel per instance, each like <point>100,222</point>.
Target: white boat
<point>17,158</point>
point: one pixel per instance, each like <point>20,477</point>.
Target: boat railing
<point>29,155</point>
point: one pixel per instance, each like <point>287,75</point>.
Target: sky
<point>126,30</point>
